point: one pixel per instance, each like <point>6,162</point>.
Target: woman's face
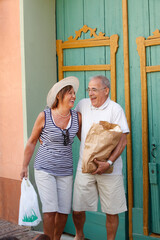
<point>69,98</point>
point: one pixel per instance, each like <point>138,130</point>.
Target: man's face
<point>98,92</point>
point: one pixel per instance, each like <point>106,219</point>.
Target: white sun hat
<point>73,81</point>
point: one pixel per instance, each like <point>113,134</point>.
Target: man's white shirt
<point>111,112</point>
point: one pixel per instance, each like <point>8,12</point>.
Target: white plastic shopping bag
<point>29,214</point>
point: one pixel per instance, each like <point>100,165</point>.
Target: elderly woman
<point>56,126</point>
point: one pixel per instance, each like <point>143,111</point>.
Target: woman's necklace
<point>64,116</point>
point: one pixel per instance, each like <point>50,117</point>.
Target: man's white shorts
<point>110,188</point>
<point>55,192</point>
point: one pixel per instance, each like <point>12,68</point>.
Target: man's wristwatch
<point>110,162</point>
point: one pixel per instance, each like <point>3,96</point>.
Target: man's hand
<point>102,167</point>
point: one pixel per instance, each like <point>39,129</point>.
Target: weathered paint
<point>11,113</point>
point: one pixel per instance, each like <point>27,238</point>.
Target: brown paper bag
<point>101,139</point>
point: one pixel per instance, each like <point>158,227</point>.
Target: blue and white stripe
<point>52,156</point>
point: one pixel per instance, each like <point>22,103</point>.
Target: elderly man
<point>109,187</point>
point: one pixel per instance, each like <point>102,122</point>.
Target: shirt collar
<point>102,107</point>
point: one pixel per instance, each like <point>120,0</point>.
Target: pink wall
<point>11,112</point>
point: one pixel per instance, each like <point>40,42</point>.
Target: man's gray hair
<point>105,81</point>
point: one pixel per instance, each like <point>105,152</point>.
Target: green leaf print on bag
<point>30,218</point>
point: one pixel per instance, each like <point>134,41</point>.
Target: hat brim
<point>73,81</point>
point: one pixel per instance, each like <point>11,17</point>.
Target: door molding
<point>142,43</point>
<point>95,41</point>
<point>128,114</point>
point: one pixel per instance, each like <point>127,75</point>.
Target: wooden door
<point>144,19</point>
<point>154,144</point>
<point>105,15</point>
<point>149,50</point>
<point>153,80</point>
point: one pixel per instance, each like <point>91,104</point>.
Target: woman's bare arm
<point>32,141</point>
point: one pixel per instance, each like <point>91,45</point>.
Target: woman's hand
<point>24,173</point>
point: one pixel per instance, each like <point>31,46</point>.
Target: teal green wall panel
<point>138,26</point>
<point>137,217</point>
<point>154,176</point>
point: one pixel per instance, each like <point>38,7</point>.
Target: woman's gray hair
<point>105,81</point>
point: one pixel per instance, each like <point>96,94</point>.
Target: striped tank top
<point>53,156</point>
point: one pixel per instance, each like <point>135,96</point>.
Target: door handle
<point>152,151</point>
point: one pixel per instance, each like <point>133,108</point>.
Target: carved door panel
<point>149,50</point>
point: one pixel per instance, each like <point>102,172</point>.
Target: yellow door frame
<point>142,43</point>
<point>98,40</point>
